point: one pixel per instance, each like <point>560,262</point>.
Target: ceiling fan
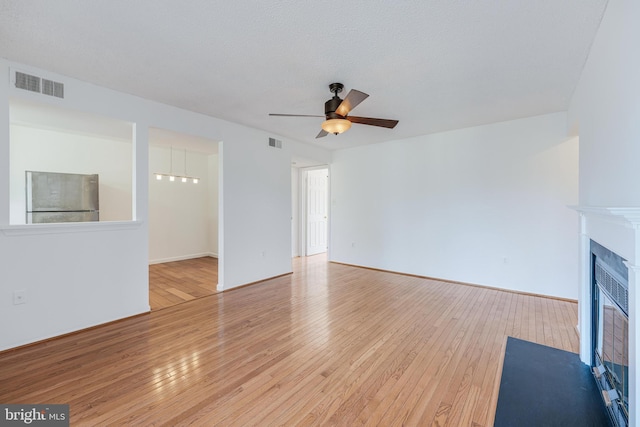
<point>336,112</point>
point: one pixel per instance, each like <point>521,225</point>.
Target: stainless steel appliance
<point>61,197</point>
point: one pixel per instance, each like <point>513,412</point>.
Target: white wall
<point>606,110</point>
<point>259,219</point>
<point>484,205</point>
<point>49,150</point>
<point>77,276</point>
<point>182,216</point>
<point>74,275</point>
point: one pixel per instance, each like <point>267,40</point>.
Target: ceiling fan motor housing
<point>331,106</point>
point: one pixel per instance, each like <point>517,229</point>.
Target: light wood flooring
<point>329,345</point>
<point>172,283</point>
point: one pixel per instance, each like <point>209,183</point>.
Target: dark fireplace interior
<point>610,331</point>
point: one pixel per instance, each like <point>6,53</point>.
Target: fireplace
<point>610,331</point>
<point>608,304</point>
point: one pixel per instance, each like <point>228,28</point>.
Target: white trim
<point>183,258</point>
<point>302,212</point>
<point>328,213</point>
<point>584,295</point>
<point>628,216</point>
<point>71,227</point>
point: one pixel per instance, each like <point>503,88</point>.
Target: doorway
<point>183,217</point>
<point>315,211</point>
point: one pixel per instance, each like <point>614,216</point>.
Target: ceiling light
<point>172,178</point>
<point>336,126</point>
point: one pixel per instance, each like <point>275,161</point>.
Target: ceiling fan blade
<point>294,115</point>
<point>383,123</point>
<point>322,133</point>
<point>352,100</point>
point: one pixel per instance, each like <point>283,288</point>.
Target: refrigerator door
<point>50,192</point>
<point>48,217</point>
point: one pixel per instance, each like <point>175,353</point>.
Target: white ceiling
<point>433,65</point>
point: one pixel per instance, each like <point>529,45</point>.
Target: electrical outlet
<point>19,297</point>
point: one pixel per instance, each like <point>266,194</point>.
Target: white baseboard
<point>182,258</point>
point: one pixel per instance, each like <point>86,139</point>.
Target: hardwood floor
<point>172,283</point>
<point>329,345</point>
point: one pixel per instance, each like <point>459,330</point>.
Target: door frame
<point>303,191</point>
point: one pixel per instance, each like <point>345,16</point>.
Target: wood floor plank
<point>383,365</point>
<point>328,345</point>
<point>492,351</point>
<point>465,401</point>
<point>173,283</point>
<point>454,380</point>
<point>394,367</point>
<point>431,373</point>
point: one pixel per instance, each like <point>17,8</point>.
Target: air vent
<point>616,290</point>
<point>27,82</point>
<point>35,83</point>
<point>275,143</point>
<point>52,88</point>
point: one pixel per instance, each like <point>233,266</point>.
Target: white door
<point>317,195</point>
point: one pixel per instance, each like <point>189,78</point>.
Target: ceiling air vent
<point>36,84</point>
<point>275,143</point>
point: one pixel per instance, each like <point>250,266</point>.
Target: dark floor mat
<point>544,386</point>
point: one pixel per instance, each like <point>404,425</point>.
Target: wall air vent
<point>36,84</point>
<point>52,88</point>
<point>27,82</point>
<point>275,143</point>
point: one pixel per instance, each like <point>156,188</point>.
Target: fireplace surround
<point>618,230</point>
<point>610,331</point>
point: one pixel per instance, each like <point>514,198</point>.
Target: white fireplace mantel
<point>617,229</point>
<point>625,216</point>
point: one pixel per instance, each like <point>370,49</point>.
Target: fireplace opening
<point>610,331</point>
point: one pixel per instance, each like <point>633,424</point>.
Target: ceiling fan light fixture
<point>337,113</point>
<point>336,126</point>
